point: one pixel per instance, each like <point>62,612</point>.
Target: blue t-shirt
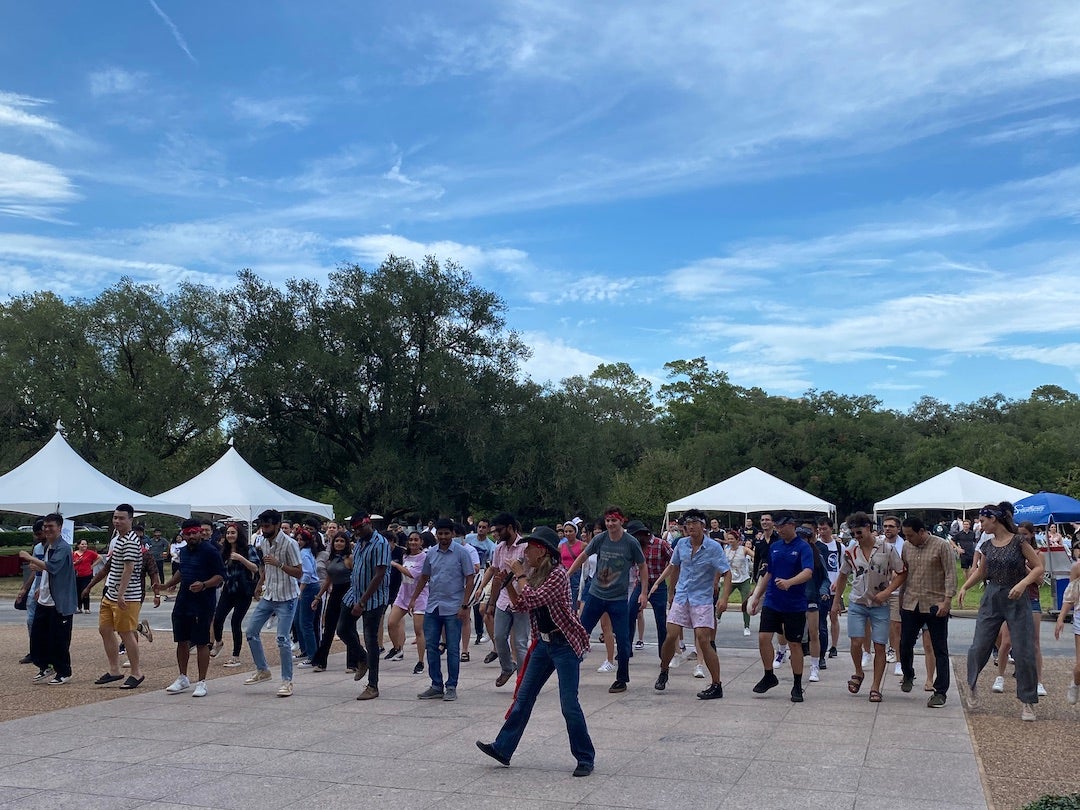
<point>198,563</point>
<point>787,560</point>
<point>698,570</point>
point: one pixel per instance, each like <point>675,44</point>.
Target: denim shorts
<point>879,622</point>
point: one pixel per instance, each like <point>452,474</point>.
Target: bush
<point>1071,802</point>
<point>26,539</point>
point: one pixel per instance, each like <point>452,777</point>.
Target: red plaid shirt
<point>554,594</point>
<point>657,556</point>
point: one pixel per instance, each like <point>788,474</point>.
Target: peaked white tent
<point>956,488</point>
<point>57,479</point>
<point>752,490</point>
<point>232,488</point>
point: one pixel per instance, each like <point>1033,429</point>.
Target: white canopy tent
<point>231,487</point>
<point>57,479</point>
<point>752,490</point>
<point>956,489</point>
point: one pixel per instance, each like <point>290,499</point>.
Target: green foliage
<point>1049,802</point>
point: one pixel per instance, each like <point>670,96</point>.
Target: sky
<point>866,197</point>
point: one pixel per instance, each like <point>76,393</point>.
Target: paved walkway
<point>242,747</point>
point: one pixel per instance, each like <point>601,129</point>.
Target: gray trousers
<point>517,625</point>
<point>996,607</point>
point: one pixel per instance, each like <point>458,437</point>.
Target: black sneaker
<point>26,659</point>
<point>489,749</point>
<point>832,652</point>
<point>712,693</point>
<point>821,663</point>
<point>583,770</point>
<point>661,681</point>
<point>906,684</point>
<point>390,656</point>
<point>766,683</point>
<point>418,668</point>
<point>618,686</point>
<point>796,694</point>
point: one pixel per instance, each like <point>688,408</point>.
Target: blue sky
<point>876,197</point>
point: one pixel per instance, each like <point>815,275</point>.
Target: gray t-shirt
<point>614,559</point>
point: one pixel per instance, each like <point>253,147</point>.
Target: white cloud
<point>1048,127</point>
<point>180,41</point>
<point>115,81</point>
<point>553,359</point>
<point>31,188</point>
<point>14,113</point>
<point>272,111</point>
<point>374,248</point>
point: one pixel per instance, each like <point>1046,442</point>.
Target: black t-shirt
<point>761,554</point>
<point>966,541</point>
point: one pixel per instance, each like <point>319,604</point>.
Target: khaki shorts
<point>122,621</point>
<point>894,607</point>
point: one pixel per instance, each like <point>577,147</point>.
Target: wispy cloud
<point>115,81</point>
<point>32,189</point>
<point>14,112</point>
<point>272,111</point>
<point>376,247</point>
<point>1049,127</point>
<point>175,32</point>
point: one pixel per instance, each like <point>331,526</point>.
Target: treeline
<point>399,389</point>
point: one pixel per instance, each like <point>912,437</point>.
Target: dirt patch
<point>1023,761</point>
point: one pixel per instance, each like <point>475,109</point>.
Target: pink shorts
<point>687,615</point>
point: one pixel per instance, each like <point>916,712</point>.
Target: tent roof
<point>1042,507</point>
<point>57,479</point>
<point>752,490</point>
<point>955,488</point>
<point>232,487</point>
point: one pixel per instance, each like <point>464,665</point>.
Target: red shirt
<point>657,556</point>
<point>84,562</point>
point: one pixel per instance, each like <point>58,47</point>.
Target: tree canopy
<point>400,389</point>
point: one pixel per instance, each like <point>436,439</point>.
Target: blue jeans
<point>509,624</point>
<point>548,657</point>
<point>304,620</point>
<point>618,610</point>
<point>284,612</point>
<point>434,624</point>
<point>658,603</point>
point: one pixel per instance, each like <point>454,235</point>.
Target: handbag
<point>20,601</point>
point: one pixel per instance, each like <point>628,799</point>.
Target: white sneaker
<point>1041,691</point>
<point>890,656</point>
<point>746,631</point>
<point>1027,713</point>
<point>285,690</point>
<point>699,671</point>
<point>676,660</point>
<point>999,685</point>
<point>866,660</point>
<point>815,673</point>
<point>200,689</point>
<point>1072,694</point>
<point>607,666</point>
<point>295,647</point>
<point>179,685</point>
<point>781,654</point>
<point>898,671</point>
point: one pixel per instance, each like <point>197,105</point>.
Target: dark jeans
<point>81,584</point>
<point>911,624</point>
<point>304,620</point>
<point>545,658</point>
<point>824,606</point>
<point>333,616</point>
<point>238,604</point>
<point>658,603</point>
<point>434,624</point>
<point>618,611</point>
<point>368,652</point>
<point>50,640</point>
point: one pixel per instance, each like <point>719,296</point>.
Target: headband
<point>993,512</point>
<point>617,515</point>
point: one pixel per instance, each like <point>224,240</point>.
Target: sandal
<point>465,657</point>
<point>854,683</point>
<point>875,696</point>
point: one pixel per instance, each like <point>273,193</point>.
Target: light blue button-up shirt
<point>698,570</point>
<point>447,572</point>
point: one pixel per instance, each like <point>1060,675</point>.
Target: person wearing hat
<point>541,588</point>
<point>781,597</point>
<point>281,572</point>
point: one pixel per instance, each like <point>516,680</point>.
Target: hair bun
<point>1005,506</point>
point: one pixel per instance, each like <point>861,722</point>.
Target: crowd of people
<point>538,597</point>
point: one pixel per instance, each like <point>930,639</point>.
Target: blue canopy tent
<point>1044,508</point>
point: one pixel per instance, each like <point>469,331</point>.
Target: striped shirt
<point>277,585</point>
<point>126,549</point>
<point>367,557</point>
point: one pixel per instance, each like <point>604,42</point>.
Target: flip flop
<point>132,682</point>
<point>875,696</point>
<point>854,683</point>
<point>108,678</point>
<point>928,687</point>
